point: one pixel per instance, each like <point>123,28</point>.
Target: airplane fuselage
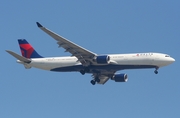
<point>118,62</point>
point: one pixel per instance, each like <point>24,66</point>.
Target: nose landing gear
<point>156,71</point>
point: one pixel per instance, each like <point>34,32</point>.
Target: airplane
<point>102,67</point>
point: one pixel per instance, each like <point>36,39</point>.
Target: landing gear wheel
<point>97,80</point>
<point>87,70</point>
<point>93,82</point>
<point>156,72</point>
<point>82,72</point>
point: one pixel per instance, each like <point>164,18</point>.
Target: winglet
<point>38,24</point>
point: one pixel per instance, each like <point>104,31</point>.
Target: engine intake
<point>104,59</point>
<point>120,78</point>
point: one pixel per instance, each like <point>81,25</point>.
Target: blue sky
<point>116,26</point>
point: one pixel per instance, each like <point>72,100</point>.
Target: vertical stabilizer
<point>27,50</point>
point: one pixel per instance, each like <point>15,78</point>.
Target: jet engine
<point>120,78</point>
<point>103,59</point>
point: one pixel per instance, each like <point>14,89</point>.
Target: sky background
<point>111,26</point>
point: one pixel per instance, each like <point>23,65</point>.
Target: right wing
<point>84,56</point>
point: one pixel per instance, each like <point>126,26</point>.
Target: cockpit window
<point>167,56</point>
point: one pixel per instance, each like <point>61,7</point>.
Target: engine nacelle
<point>103,59</point>
<point>120,78</point>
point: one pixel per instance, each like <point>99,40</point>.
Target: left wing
<point>103,77</point>
<point>84,56</point>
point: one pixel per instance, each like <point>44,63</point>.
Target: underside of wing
<point>101,78</point>
<point>84,56</point>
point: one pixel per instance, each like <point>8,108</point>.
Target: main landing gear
<point>85,70</point>
<point>82,72</point>
<point>93,82</point>
<point>156,71</point>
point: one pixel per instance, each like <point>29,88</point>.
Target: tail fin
<point>27,50</point>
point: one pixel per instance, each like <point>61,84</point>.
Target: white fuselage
<point>117,62</point>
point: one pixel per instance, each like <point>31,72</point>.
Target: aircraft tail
<point>21,58</point>
<point>27,50</point>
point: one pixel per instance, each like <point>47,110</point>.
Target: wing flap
<point>103,79</point>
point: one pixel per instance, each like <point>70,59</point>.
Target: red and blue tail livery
<point>27,50</point>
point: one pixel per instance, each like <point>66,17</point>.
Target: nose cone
<point>172,60</point>
<point>164,61</point>
<point>167,61</point>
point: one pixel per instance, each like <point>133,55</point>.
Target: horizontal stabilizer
<point>21,58</point>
